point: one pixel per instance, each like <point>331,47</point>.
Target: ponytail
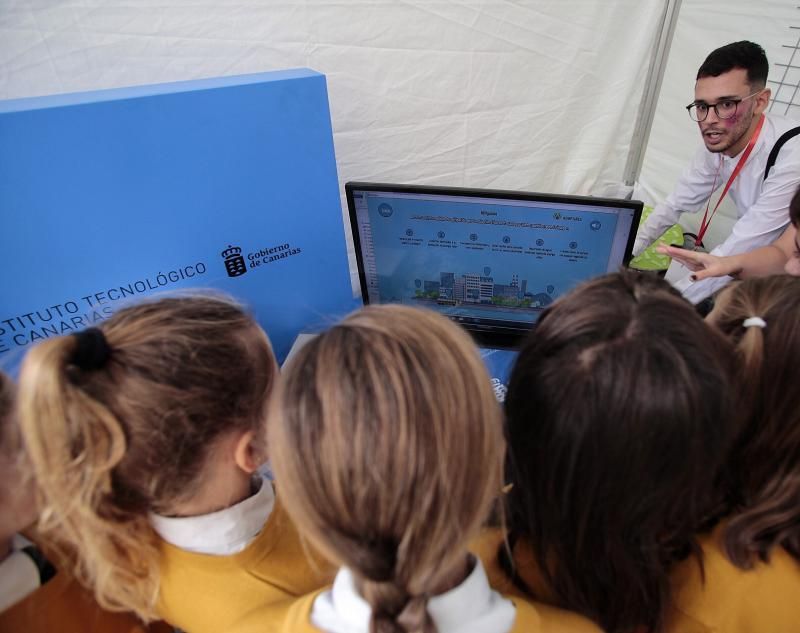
<point>74,443</point>
<point>119,422</point>
<point>394,610</point>
<point>388,449</point>
<point>760,316</point>
<point>386,583</point>
<point>750,352</point>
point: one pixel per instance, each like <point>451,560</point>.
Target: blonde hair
<point>764,468</point>
<point>129,434</point>
<point>388,449</point>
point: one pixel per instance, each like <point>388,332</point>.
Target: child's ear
<point>247,455</point>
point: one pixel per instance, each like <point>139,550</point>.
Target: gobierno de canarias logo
<point>236,264</point>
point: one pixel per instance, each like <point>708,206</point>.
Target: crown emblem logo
<point>234,262</point>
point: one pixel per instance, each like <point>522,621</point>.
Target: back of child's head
<point>762,317</point>
<point>388,450</point>
<point>618,416</point>
<point>119,421</point>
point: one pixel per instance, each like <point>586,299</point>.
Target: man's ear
<point>246,454</point>
<point>762,100</point>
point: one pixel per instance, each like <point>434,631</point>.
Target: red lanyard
<point>706,218</point>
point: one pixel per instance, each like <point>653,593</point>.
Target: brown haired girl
<point>761,316</point>
<point>619,414</point>
<point>145,437</point>
<point>389,444</point>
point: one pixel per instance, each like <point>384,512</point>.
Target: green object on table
<point>649,259</point>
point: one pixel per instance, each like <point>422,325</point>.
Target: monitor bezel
<point>485,334</point>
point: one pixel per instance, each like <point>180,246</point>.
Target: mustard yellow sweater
<point>731,600</point>
<point>294,616</point>
<point>765,599</point>
<point>201,593</point>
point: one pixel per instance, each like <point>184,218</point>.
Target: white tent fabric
<point>536,95</point>
<point>483,93</point>
<point>702,27</point>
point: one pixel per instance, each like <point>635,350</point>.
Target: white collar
<point>471,607</point>
<point>220,533</point>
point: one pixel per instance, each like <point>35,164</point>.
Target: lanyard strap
<point>706,217</point>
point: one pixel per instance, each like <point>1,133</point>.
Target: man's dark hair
<point>747,55</point>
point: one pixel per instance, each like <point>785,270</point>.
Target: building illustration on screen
<point>481,289</point>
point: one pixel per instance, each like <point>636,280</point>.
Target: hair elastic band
<point>754,322</point>
<point>92,350</point>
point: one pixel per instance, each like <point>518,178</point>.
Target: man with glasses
<point>740,142</point>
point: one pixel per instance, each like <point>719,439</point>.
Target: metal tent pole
<point>652,89</point>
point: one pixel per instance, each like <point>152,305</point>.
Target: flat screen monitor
<point>490,260</point>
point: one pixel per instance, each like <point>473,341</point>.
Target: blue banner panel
<point>227,183</point>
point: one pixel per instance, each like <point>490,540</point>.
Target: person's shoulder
<point>204,592</point>
<point>276,553</point>
<point>288,616</point>
<point>532,616</point>
<point>781,123</point>
<point>487,547</point>
<point>535,617</point>
<point>724,597</point>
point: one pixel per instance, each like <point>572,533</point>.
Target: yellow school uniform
<point>294,616</point>
<point>732,600</point>
<point>764,599</point>
<point>203,593</point>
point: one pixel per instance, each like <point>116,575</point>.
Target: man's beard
<point>742,132</point>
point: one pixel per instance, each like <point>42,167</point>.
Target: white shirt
<point>762,205</point>
<point>223,532</point>
<point>471,607</point>
<point>19,575</point>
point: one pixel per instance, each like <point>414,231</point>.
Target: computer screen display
<point>488,259</point>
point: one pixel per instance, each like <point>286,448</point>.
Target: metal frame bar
<point>780,83</point>
<point>652,89</point>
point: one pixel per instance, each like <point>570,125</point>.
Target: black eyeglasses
<point>725,109</point>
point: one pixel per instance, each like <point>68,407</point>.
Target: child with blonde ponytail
<point>145,437</point>
<point>388,441</point>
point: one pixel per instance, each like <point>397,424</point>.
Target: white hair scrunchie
<point>754,322</point>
